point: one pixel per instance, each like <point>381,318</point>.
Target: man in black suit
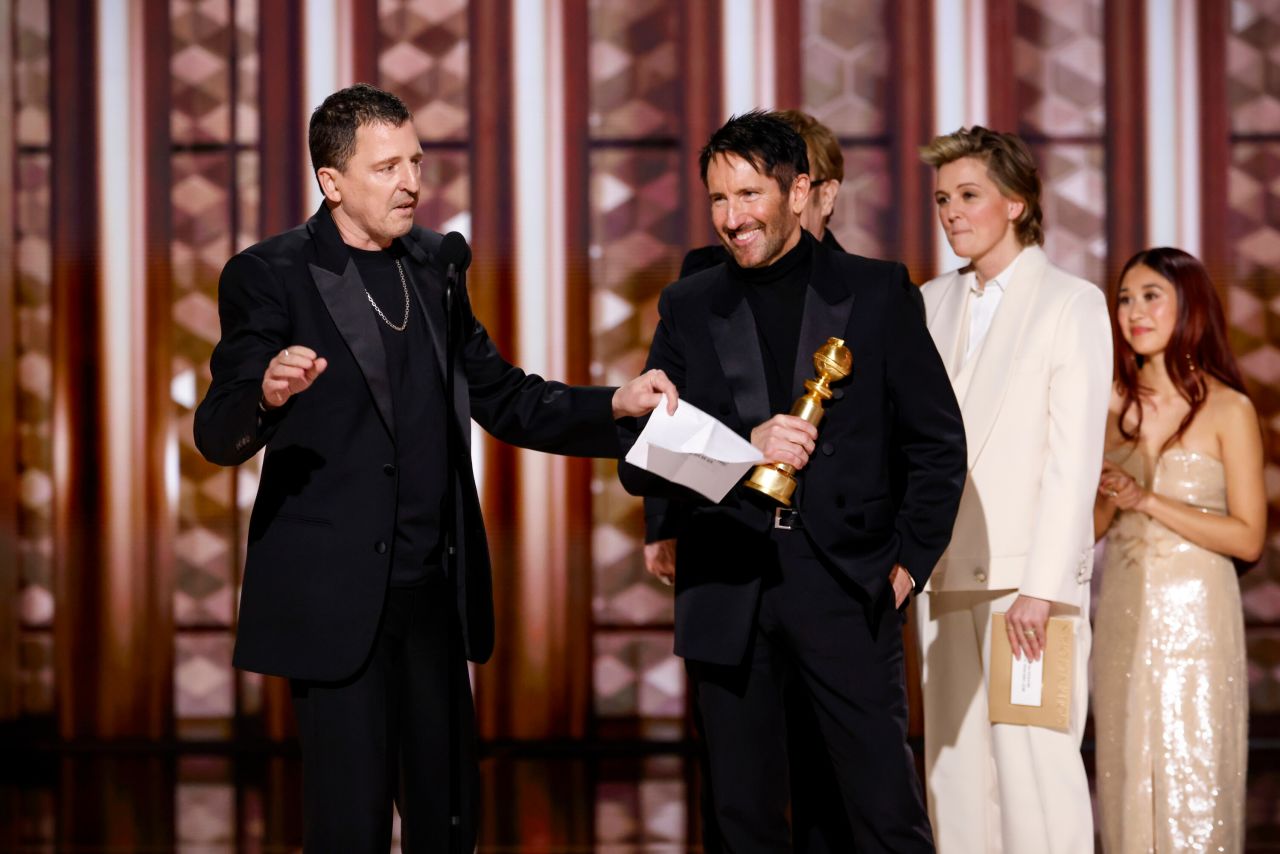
<point>337,338</point>
<point>766,595</point>
<point>818,823</point>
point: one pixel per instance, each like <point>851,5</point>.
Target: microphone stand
<point>450,528</point>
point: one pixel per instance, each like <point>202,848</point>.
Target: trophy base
<point>776,484</point>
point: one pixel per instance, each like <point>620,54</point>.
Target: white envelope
<point>693,449</point>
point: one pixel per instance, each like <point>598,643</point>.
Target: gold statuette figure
<point>833,362</point>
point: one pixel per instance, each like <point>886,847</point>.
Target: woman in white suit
<point>1028,349</point>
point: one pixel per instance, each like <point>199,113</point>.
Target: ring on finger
<point>1029,632</point>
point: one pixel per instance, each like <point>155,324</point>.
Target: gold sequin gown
<point>1170,703</point>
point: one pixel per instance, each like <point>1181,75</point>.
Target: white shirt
<point>983,303</point>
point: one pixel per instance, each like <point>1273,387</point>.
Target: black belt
<point>786,519</point>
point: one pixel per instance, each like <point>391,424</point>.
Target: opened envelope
<point>693,449</point>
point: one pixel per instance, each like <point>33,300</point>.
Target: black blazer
<point>898,397</point>
<point>656,525</point>
<point>323,523</point>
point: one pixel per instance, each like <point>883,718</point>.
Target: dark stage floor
<point>538,799</point>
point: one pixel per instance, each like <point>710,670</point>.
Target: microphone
<point>456,256</point>
<point>454,253</point>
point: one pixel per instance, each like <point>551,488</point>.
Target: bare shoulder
<point>1232,412</point>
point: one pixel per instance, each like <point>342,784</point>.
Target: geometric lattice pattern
<point>1253,67</point>
<point>634,69</point>
<point>1059,54</point>
<point>422,57</point>
<point>32,270</point>
<point>1253,299</point>
<point>214,213</point>
<point>636,243</point>
<point>1074,204</point>
<point>1059,51</point>
<point>635,675</point>
<point>636,227</point>
<point>444,202</point>
<point>31,72</point>
<point>648,814</point>
<point>846,50</point>
<point>213,56</point>
<point>863,220</point>
<point>205,804</point>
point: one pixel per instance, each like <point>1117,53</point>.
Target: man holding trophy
<point>801,572</point>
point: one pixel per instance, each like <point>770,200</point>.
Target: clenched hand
<point>785,439</point>
<point>290,372</point>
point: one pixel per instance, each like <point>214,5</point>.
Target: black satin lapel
<point>738,347</point>
<point>822,320</point>
<point>348,305</point>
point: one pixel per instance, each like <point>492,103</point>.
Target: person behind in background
<point>812,593</point>
<point>1181,496</point>
<point>333,357</point>
<point>1027,347</point>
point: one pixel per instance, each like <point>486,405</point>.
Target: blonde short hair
<point>826,161</point>
<point>1009,164</point>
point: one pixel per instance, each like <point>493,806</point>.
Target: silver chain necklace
<point>404,285</point>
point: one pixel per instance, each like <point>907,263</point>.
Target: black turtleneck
<point>776,296</point>
<point>417,387</point>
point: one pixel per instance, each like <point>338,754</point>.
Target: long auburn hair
<point>1197,348</point>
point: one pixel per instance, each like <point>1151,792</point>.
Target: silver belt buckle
<point>777,518</point>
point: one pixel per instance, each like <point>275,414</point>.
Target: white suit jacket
<point>1034,399</point>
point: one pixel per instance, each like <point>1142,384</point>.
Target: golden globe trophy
<point>833,362</point>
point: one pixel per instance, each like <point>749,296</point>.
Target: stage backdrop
<point>142,143</point>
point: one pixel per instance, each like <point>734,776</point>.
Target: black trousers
<point>383,736</point>
<point>815,633</point>
<point>818,822</point>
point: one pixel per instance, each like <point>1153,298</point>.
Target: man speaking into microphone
<point>349,350</point>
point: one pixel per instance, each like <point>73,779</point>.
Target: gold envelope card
<point>1032,693</point>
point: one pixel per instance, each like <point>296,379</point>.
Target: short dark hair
<point>332,133</point>
<point>764,140</point>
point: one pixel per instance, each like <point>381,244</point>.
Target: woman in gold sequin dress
<point>1181,494</point>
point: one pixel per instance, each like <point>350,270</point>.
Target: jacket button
<point>389,470</point>
<point>980,575</point>
<point>837,393</point>
<point>724,409</point>
<point>380,547</point>
<point>828,448</point>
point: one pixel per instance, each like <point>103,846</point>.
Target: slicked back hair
<point>1009,165</point>
<point>765,141</point>
<point>331,135</point>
